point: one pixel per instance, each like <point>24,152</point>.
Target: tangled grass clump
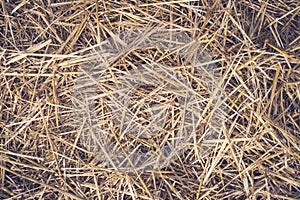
<point>49,150</point>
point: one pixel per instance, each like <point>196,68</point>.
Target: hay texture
<point>149,99</point>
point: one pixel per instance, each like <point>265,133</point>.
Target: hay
<point>253,46</point>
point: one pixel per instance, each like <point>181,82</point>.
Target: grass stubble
<point>255,46</point>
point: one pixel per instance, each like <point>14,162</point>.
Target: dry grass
<point>254,45</point>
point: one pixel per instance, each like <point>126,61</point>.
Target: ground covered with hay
<point>236,113</point>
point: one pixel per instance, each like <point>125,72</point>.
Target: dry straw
<point>254,48</point>
<point>152,104</point>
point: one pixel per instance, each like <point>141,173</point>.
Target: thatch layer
<point>253,45</point>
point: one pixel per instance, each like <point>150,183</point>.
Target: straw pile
<point>254,47</point>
